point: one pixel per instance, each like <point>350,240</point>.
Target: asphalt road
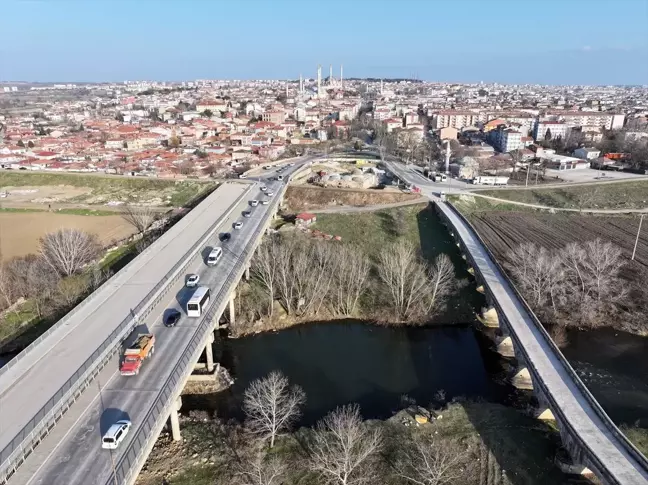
<point>576,409</point>
<point>27,386</point>
<point>73,454</point>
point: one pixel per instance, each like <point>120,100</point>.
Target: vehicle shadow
<point>204,253</point>
<point>130,340</point>
<point>182,297</point>
<point>109,417</point>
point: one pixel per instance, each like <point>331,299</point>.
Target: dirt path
<point>369,208</point>
<point>546,207</point>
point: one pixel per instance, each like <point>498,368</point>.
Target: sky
<point>508,41</point>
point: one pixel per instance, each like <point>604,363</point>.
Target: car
<point>172,317</point>
<point>291,164</point>
<point>279,178</point>
<point>192,280</point>
<point>214,255</point>
<point>243,175</point>
<point>269,194</point>
<point>265,202</point>
<point>225,237</point>
<point>267,167</point>
<point>264,188</point>
<point>247,214</point>
<point>254,203</point>
<point>238,225</point>
<point>115,434</point>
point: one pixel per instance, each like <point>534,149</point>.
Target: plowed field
<point>503,231</point>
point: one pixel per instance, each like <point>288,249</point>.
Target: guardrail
<point>609,424</point>
<point>39,426</point>
<point>148,431</point>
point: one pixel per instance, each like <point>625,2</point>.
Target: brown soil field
<point>504,230</point>
<point>304,198</point>
<point>20,231</point>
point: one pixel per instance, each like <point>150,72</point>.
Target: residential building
<point>454,118</point>
<point>549,129</point>
<point>275,116</point>
<point>506,139</point>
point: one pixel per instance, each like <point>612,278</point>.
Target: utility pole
<point>526,184</point>
<point>637,239</point>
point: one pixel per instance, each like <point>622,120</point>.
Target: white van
<point>115,434</point>
<point>214,256</point>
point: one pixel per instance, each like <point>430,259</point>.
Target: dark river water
<point>354,362</point>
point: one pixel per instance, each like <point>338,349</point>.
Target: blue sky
<point>512,41</point>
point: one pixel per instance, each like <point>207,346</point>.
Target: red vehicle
<point>135,354</point>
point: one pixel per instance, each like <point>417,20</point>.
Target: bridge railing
<point>148,431</point>
<point>609,424</point>
<point>39,426</point>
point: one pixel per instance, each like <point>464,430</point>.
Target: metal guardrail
<point>147,432</point>
<point>624,441</point>
<point>39,426</point>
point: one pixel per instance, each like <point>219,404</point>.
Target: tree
<point>442,276</point>
<point>140,217</point>
<point>119,117</point>
<point>547,136</point>
<point>344,450</point>
<point>68,250</point>
<point>271,406</point>
<point>21,144</point>
<point>351,272</point>
<point>30,144</point>
<point>426,460</point>
<point>260,469</point>
<point>264,268</point>
<point>174,141</point>
<point>41,283</point>
<point>207,113</point>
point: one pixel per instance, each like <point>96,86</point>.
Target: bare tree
<point>260,469</point>
<point>344,449</point>
<point>426,460</point>
<point>140,217</point>
<point>264,268</point>
<point>41,283</point>
<point>442,276</point>
<point>68,250</point>
<point>350,278</point>
<point>272,405</point>
<point>7,291</point>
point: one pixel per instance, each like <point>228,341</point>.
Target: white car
<point>269,194</point>
<point>254,203</point>
<point>264,188</point>
<point>238,225</point>
<point>291,164</point>
<point>115,434</point>
<point>192,280</point>
<point>265,202</point>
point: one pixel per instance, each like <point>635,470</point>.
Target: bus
<point>198,302</point>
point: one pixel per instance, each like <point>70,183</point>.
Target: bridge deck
<point>26,387</point>
<point>575,407</point>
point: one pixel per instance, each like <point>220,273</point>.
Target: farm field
<point>504,230</point>
<point>41,189</point>
<point>21,230</point>
<point>617,195</point>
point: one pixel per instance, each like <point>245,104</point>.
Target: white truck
<point>490,180</point>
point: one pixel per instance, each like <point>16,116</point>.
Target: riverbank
<point>493,433</point>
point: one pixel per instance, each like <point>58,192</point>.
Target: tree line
<point>313,278</point>
<point>580,284</point>
<point>341,449</point>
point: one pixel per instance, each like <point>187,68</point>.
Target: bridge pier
<point>522,379</point>
<point>174,418</point>
<point>505,346</point>
<point>232,314</point>
<point>489,317</point>
<point>209,352</point>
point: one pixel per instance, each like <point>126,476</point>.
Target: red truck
<point>142,348</point>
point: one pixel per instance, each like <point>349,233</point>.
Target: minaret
<point>330,74</point>
<point>447,157</point>
<point>301,84</point>
<point>381,87</point>
<point>341,75</point>
<point>286,90</point>
<point>319,81</point>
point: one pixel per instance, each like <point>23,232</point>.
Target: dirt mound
<point>304,198</point>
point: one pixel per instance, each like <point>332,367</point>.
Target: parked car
<point>225,237</point>
<point>192,280</point>
<point>247,214</point>
<point>238,225</point>
<point>255,203</point>
<point>172,317</point>
<point>115,434</point>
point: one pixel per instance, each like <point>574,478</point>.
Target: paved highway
<point>575,407</point>
<point>72,454</point>
<point>28,385</point>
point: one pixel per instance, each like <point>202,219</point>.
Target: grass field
<point>618,195</point>
<point>103,189</point>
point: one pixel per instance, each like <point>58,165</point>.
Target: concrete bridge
<point>593,441</point>
<point>59,396</point>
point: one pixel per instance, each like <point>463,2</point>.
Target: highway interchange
<point>72,453</point>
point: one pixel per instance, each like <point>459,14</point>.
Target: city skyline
<point>584,42</point>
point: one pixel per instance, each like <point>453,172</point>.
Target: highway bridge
<point>60,395</point>
<point>588,434</point>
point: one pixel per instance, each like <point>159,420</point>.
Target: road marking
<point>64,437</point>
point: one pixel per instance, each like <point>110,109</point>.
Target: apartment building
<point>274,116</point>
<point>554,129</point>
<point>506,139</point>
<point>609,121</point>
<point>454,118</point>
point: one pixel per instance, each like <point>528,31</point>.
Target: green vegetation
<point>199,475</point>
<point>638,436</point>
<point>105,188</point>
<point>15,209</point>
<point>86,212</point>
<point>14,322</point>
<point>618,195</point>
<point>374,230</point>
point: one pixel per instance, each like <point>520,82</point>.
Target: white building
<point>506,140</point>
<point>607,120</point>
<point>454,118</point>
<point>554,129</point>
